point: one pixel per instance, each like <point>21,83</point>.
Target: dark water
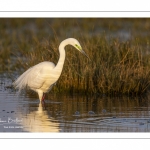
<point>24,113</point>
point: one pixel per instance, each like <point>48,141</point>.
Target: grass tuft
<point>116,68</point>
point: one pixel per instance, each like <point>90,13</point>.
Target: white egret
<point>43,76</point>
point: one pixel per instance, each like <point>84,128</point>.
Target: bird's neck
<point>59,66</point>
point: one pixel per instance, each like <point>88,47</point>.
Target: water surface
<point>24,113</point>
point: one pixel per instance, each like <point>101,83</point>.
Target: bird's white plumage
<point>41,77</point>
<point>35,77</point>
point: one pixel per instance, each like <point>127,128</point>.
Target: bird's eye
<point>77,46</point>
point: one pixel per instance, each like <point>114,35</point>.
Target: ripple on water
<point>71,115</point>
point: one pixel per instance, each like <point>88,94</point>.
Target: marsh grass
<point>116,68</point>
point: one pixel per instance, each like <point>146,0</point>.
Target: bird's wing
<point>34,76</point>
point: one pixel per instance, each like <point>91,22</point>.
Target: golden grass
<point>117,67</point>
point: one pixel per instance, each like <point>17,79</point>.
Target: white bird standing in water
<point>43,76</point>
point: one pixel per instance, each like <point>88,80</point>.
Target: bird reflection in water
<point>40,121</point>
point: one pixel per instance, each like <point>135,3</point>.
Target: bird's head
<point>77,45</point>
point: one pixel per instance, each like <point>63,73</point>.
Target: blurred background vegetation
<point>118,47</point>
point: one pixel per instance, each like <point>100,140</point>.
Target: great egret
<point>43,76</point>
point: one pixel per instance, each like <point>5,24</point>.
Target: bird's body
<point>43,76</point>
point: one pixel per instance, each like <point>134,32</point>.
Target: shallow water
<point>24,113</point>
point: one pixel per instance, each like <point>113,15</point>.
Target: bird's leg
<point>42,101</point>
<point>43,97</point>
